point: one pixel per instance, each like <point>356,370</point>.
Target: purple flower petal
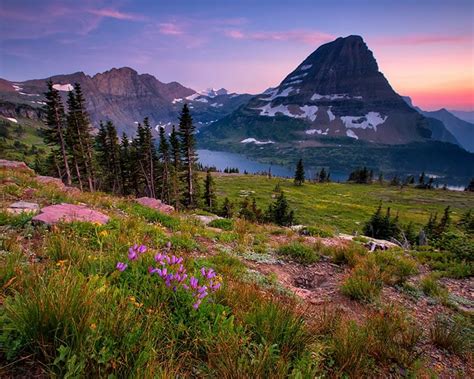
<point>121,266</point>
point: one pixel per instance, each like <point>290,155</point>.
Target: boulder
<point>17,165</point>
<point>68,213</point>
<point>155,204</point>
<point>23,207</point>
<point>206,219</point>
<point>50,180</point>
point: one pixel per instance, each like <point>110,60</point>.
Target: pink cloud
<point>170,28</point>
<point>113,13</point>
<point>422,39</point>
<point>301,36</point>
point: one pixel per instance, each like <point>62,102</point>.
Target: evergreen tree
<point>299,173</point>
<point>175,168</point>
<point>164,157</point>
<point>322,176</point>
<point>55,133</point>
<point>227,208</point>
<point>421,179</point>
<point>470,186</point>
<point>279,212</point>
<point>209,192</point>
<point>145,160</point>
<point>395,181</point>
<point>126,164</point>
<point>188,154</point>
<point>109,158</point>
<point>444,222</point>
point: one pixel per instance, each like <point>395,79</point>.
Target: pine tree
<point>188,154</point>
<point>55,133</point>
<point>145,160</point>
<point>227,208</point>
<point>175,168</point>
<point>322,176</point>
<point>109,158</point>
<point>421,179</point>
<point>164,157</point>
<point>299,173</point>
<point>209,192</point>
<point>470,186</point>
<point>279,212</point>
<point>125,164</point>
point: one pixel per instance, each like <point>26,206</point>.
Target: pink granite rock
<point>4,163</point>
<point>68,213</point>
<point>50,180</point>
<point>155,204</point>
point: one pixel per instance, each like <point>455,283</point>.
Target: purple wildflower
<point>121,266</point>
<point>196,304</point>
<point>142,249</point>
<point>168,245</point>
<point>132,254</point>
<point>193,282</point>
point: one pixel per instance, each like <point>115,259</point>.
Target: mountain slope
<point>337,91</point>
<point>123,96</point>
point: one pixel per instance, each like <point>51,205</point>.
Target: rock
<point>155,204</point>
<point>23,207</point>
<point>68,213</point>
<point>14,165</point>
<point>50,180</point>
<point>206,219</point>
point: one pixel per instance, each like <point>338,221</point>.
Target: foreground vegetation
<point>68,309</point>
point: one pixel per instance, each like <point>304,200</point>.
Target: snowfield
<point>317,131</point>
<point>331,115</point>
<point>307,111</point>
<point>12,119</point>
<point>370,121</point>
<point>256,142</point>
<point>63,87</point>
<point>306,67</point>
<point>351,134</point>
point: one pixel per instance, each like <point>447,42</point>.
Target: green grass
<point>345,207</point>
<point>298,252</point>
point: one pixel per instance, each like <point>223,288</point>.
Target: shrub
<point>430,287</point>
<point>222,223</point>
<point>364,283</point>
<point>298,252</point>
<point>349,254</point>
<point>315,231</point>
<point>395,267</point>
<point>455,334</point>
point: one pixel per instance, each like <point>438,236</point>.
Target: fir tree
<point>209,192</point>
<point>421,179</point>
<point>188,154</point>
<point>109,157</point>
<point>279,212</point>
<point>164,157</point>
<point>470,186</point>
<point>227,208</point>
<point>145,160</point>
<point>299,173</point>
<point>175,167</point>
<point>126,164</point>
<point>55,133</point>
<point>323,176</point>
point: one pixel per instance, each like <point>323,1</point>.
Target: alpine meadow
<point>313,220</point>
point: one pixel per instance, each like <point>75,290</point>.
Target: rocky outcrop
<point>64,212</point>
<point>23,207</point>
<point>155,204</point>
<point>17,165</point>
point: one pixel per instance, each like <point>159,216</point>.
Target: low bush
<point>349,254</point>
<point>455,334</point>
<point>222,223</point>
<point>365,281</point>
<point>396,267</point>
<point>430,287</point>
<point>315,231</point>
<point>298,252</point>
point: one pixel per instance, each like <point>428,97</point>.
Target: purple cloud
<point>302,36</point>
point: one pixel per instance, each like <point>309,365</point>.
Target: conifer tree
<point>279,212</point>
<point>125,164</point>
<point>55,133</point>
<point>108,157</point>
<point>164,157</point>
<point>209,192</point>
<point>175,156</point>
<point>299,173</point>
<point>227,208</point>
<point>188,155</point>
<point>145,160</point>
<point>322,175</point>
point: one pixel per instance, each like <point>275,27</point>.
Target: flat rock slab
<point>54,214</point>
<point>206,219</point>
<point>155,204</point>
<point>4,163</point>
<point>23,207</point>
<point>50,180</point>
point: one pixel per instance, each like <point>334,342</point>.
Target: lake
<point>222,160</point>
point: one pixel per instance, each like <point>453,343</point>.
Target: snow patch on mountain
<point>335,96</point>
<point>317,131</point>
<point>256,142</point>
<point>298,76</point>
<point>12,119</point>
<point>298,81</point>
<point>307,111</point>
<point>274,93</point>
<point>216,105</point>
<point>351,134</point>
<point>370,121</point>
<point>175,101</point>
<point>63,87</point>
<point>17,88</point>
<point>306,67</point>
<point>331,115</point>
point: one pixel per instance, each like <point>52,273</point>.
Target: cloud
<point>422,39</point>
<point>115,14</point>
<point>170,28</point>
<point>301,36</point>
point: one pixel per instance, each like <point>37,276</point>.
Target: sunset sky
<point>424,48</point>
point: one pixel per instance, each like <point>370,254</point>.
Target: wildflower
<point>142,249</point>
<point>132,254</point>
<point>104,233</point>
<point>93,326</point>
<point>121,266</point>
<point>197,304</point>
<point>193,282</point>
<point>168,245</point>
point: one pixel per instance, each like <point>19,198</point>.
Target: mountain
<point>461,130</point>
<point>334,102</point>
<point>464,115</point>
<point>122,96</point>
